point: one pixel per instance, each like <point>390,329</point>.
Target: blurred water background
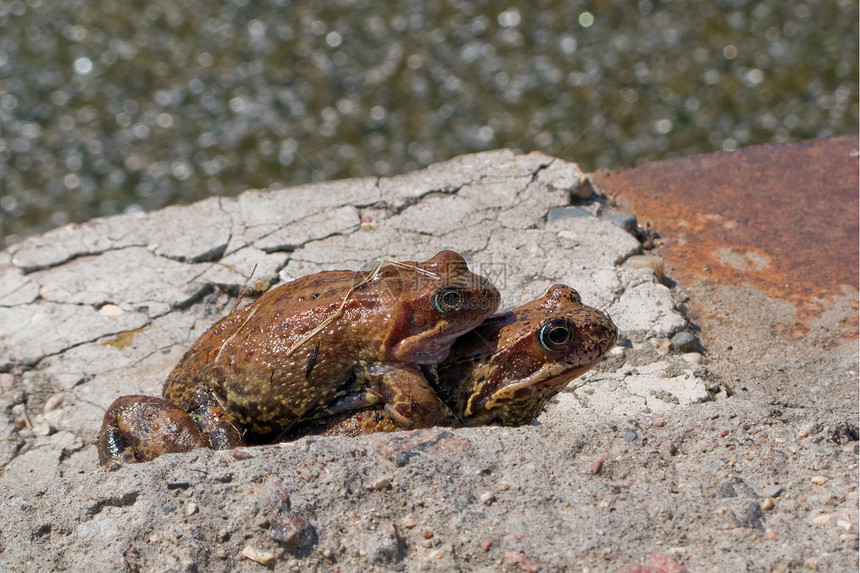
<point>115,106</point>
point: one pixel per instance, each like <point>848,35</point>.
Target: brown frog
<point>319,340</point>
<point>504,371</point>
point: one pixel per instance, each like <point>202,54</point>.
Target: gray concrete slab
<point>632,464</point>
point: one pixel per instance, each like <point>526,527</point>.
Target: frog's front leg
<point>408,398</point>
<point>141,428</point>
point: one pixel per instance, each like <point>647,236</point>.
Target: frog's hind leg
<point>410,401</point>
<point>141,428</point>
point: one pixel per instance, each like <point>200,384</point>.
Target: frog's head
<point>437,301</point>
<point>506,370</point>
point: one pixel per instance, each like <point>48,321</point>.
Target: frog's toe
<point>141,428</point>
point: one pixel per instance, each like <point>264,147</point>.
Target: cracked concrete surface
<point>94,311</point>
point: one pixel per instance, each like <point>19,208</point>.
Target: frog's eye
<point>555,335</point>
<point>448,299</point>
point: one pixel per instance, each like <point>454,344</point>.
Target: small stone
<point>426,543</point>
<point>767,503</point>
<point>488,497</point>
<point>296,532</point>
<point>846,525</point>
<point>771,535</point>
<point>191,509</point>
<point>53,402</point>
<point>819,480</point>
<point>258,556</point>
<point>41,426</point>
<point>486,544</point>
<point>774,491</point>
<point>381,483</point>
<point>240,454</point>
<point>630,435</point>
<point>111,310</point>
<point>821,519</point>
<point>693,358</point>
<point>626,221</point>
<point>427,534</point>
<point>409,521</point>
<point>684,341</point>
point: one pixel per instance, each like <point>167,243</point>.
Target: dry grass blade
<point>245,288</point>
<point>232,336</point>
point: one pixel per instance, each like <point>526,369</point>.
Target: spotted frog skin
<point>337,337</point>
<point>506,370</point>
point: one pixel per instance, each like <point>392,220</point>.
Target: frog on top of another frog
<point>325,338</point>
<point>505,370</point>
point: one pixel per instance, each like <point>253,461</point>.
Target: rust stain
<point>122,339</point>
<point>782,218</point>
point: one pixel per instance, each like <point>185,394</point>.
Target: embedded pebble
<point>111,310</point>
<point>53,402</point>
<point>488,497</point>
<point>296,532</point>
<point>821,519</point>
<point>626,221</point>
<point>630,435</point>
<point>240,454</point>
<point>409,521</point>
<point>683,341</point>
<point>191,509</point>
<point>774,491</point>
<point>41,426</point>
<point>693,358</point>
<point>767,503</point>
<point>258,556</point>
<point>819,480</point>
<point>381,483</point>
